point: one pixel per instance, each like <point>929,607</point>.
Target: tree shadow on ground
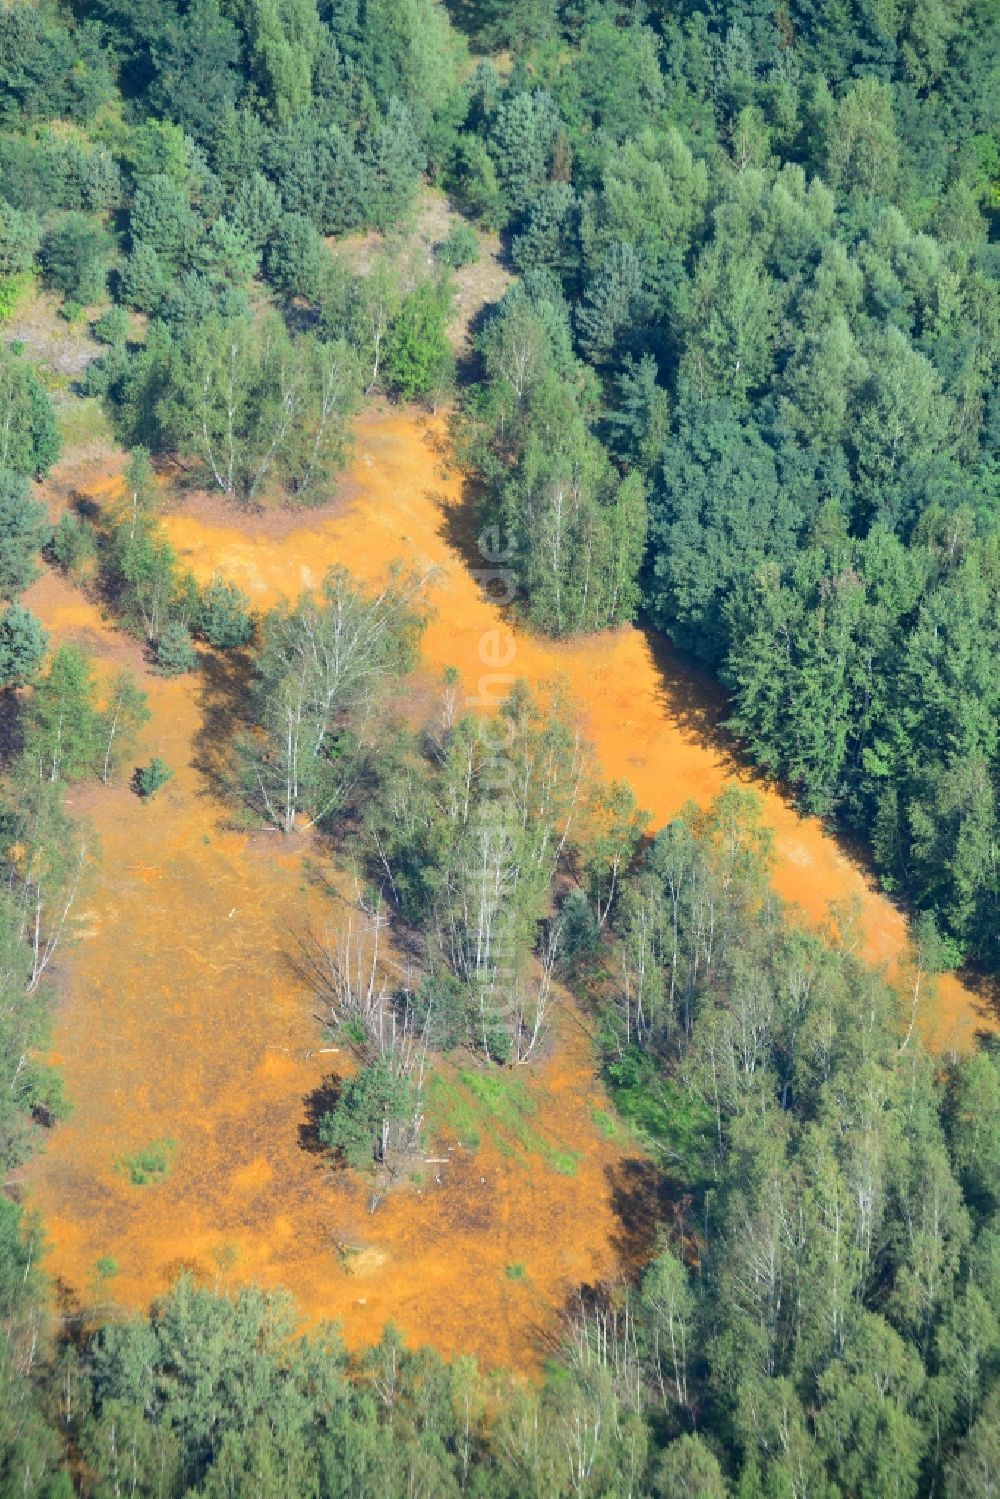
<point>649,1206</point>
<point>85,506</point>
<point>74,1317</point>
<point>320,1102</point>
<point>461,528</point>
<point>223,698</point>
<point>986,987</point>
<point>468,363</point>
<point>11,727</point>
<point>694,700</point>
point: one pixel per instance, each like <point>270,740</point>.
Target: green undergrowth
<point>83,421</point>
<point>495,1106</point>
<point>149,1166</point>
<point>673,1125</point>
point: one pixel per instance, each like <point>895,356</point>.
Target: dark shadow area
<point>693,698</point>
<point>648,1205</point>
<point>690,696</point>
<point>986,987</point>
<point>226,679</point>
<point>471,16</point>
<point>461,526</point>
<point>305,958</point>
<point>43,1116</point>
<point>85,507</point>
<point>468,365</point>
<point>11,727</point>
<point>74,1320</point>
<point>320,1102</point>
<point>300,317</point>
<point>593,1308</point>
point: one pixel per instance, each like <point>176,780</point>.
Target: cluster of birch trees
<point>249,404</point>
<point>464,832</point>
<point>826,1318</point>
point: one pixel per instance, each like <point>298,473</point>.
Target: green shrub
<point>29,432</point>
<point>112,327</point>
<point>72,543</point>
<point>440,1007</point>
<point>143,279</point>
<point>24,530</point>
<point>673,1120</point>
<point>12,288</point>
<point>149,1166</point>
<point>20,237</point>
<point>153,777</point>
<point>374,1096</point>
<point>22,646</point>
<point>460,248</point>
<point>579,933</point>
<point>418,358</point>
<point>73,258</point>
<point>297,259</point>
<point>224,618</point>
<point>175,653</point>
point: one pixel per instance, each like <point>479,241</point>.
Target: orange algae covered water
<point>185,1027</point>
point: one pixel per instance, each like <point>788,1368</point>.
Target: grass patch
<point>494,1105</point>
<point>606,1123</point>
<point>82,421</point>
<point>106,1267</point>
<point>516,1272</point>
<point>149,1166</point>
<point>503,1095</point>
<point>452,1110</point>
<point>611,1125</point>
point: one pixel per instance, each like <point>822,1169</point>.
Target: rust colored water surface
<point>184,1027</point>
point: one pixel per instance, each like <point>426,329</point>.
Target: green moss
<point>605,1122</point>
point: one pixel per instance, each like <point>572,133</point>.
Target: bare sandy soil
<point>475,286</point>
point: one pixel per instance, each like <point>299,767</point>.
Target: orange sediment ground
<point>184,1020</point>
<point>651,717</point>
<point>185,1025</point>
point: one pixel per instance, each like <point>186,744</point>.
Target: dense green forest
<point>745,384</point>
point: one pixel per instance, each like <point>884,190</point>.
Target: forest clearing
<point>185,1022</point>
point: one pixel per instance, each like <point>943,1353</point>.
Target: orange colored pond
<point>185,1027</point>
